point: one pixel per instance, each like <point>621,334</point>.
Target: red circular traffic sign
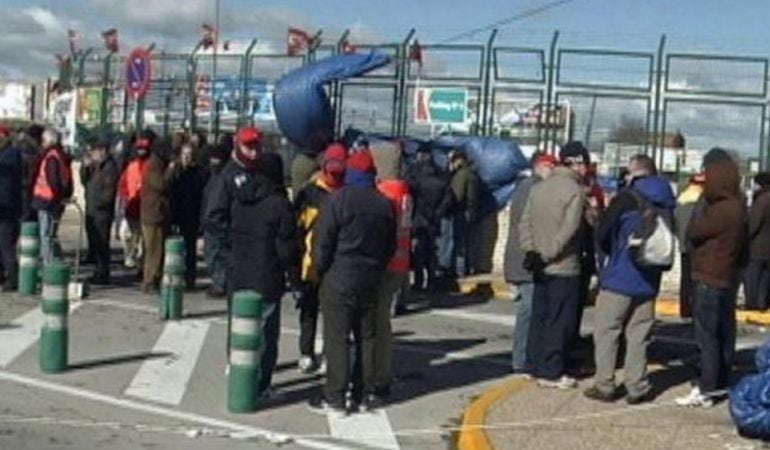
<point>138,72</point>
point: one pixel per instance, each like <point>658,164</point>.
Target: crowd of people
<point>561,235</point>
<point>359,222</point>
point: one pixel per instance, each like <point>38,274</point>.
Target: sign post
<point>138,75</point>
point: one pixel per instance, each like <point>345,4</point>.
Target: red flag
<point>208,36</point>
<point>297,41</point>
<point>415,53</point>
<point>348,48</point>
<point>72,36</point>
<point>111,40</point>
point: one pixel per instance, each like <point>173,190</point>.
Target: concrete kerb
<point>472,434</point>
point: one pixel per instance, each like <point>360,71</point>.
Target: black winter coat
<point>354,239</point>
<point>186,186</point>
<point>431,194</point>
<point>10,183</point>
<point>101,185</point>
<point>261,230</point>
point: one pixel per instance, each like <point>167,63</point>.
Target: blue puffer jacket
<point>10,183</point>
<point>620,273</point>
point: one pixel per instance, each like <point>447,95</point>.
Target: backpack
<point>653,243</point>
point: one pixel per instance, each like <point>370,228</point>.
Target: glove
<point>533,262</point>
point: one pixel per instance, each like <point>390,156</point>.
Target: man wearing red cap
<point>308,202</point>
<point>354,239</point>
<point>129,200</point>
<point>261,234</point>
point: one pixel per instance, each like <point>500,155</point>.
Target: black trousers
<point>98,230</point>
<point>424,257</point>
<point>554,314</point>
<point>715,328</point>
<point>190,236</point>
<point>308,323</point>
<point>756,281</point>
<point>9,236</point>
<point>685,286</point>
<point>345,314</point>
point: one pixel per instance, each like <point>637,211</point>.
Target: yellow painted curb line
<point>472,435</point>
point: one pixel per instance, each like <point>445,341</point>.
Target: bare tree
<point>629,130</point>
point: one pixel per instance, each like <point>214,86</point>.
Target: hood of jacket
<point>656,190</point>
<point>723,181</point>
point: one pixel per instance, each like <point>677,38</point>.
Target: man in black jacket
<point>214,243</point>
<point>10,209</point>
<point>355,239</point>
<point>261,233</point>
<point>99,175</point>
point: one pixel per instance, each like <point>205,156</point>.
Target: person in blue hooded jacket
<point>626,302</point>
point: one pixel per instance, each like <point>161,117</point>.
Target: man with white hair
<point>52,187</point>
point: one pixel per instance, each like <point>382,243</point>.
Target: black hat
<point>573,150</point>
<point>222,150</point>
<point>716,155</point>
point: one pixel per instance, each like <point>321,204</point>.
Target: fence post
<point>29,253</point>
<point>246,74</point>
<point>402,72</point>
<point>657,94</point>
<point>487,84</point>
<point>172,288</point>
<point>104,119</point>
<point>549,96</point>
<point>191,75</point>
<point>336,85</point>
<point>246,347</point>
<point>54,335</point>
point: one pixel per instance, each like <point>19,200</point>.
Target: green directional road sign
<point>441,106</point>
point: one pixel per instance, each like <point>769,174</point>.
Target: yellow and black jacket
<point>308,206</point>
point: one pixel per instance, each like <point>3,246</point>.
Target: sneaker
<point>307,365</point>
<point>320,405</point>
<point>563,383</point>
<point>372,403</point>
<point>694,400</point>
<point>594,393</point>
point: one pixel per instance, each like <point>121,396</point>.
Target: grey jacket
<point>552,220</point>
<point>513,263</point>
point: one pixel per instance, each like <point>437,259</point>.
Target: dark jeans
<point>345,314</point>
<point>756,284</point>
<point>308,323</point>
<point>714,318</point>
<point>271,329</point>
<point>190,237</point>
<point>215,256</point>
<point>460,255</point>
<point>9,236</point>
<point>98,230</point>
<point>424,258</point>
<point>554,313</point>
<point>685,286</point>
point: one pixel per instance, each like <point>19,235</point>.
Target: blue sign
<point>138,72</point>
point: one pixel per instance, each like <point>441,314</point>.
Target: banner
<point>15,100</point>
<point>440,106</point>
<point>63,117</point>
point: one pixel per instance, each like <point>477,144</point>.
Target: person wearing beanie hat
<point>757,274</point>
<point>521,280</point>
<point>308,203</point>
<point>214,245</point>
<point>354,240</point>
<point>129,200</point>
<point>258,223</point>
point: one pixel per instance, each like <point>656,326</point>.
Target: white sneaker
<point>307,364</point>
<point>562,383</point>
<point>694,400</point>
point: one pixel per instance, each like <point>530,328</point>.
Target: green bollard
<point>29,253</point>
<point>172,288</point>
<point>54,336</point>
<point>246,347</point>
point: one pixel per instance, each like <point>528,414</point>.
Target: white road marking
<point>22,334</point>
<point>370,429</point>
<point>164,380</point>
<point>243,431</point>
<point>509,320</point>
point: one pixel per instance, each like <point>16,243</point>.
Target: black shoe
<point>99,280</point>
<point>639,399</point>
<point>372,403</point>
<point>594,393</point>
<point>319,405</point>
<point>382,391</point>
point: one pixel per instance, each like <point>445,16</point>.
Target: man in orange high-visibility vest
<point>52,188</point>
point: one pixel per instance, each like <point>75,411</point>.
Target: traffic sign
<point>138,73</point>
<point>441,106</point>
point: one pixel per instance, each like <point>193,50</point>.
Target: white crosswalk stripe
<point>164,380</point>
<point>22,333</point>
<point>372,429</point>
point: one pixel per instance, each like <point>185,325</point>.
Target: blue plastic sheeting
<point>750,399</point>
<point>497,161</point>
<point>302,108</point>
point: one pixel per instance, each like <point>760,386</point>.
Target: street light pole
<point>215,103</point>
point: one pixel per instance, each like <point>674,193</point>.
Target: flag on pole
<point>208,36</point>
<point>72,36</point>
<point>416,53</point>
<point>297,41</point>
<point>111,42</point>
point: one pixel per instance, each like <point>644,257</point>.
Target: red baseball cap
<point>250,136</point>
<point>546,159</point>
<point>334,158</point>
<point>362,161</point>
